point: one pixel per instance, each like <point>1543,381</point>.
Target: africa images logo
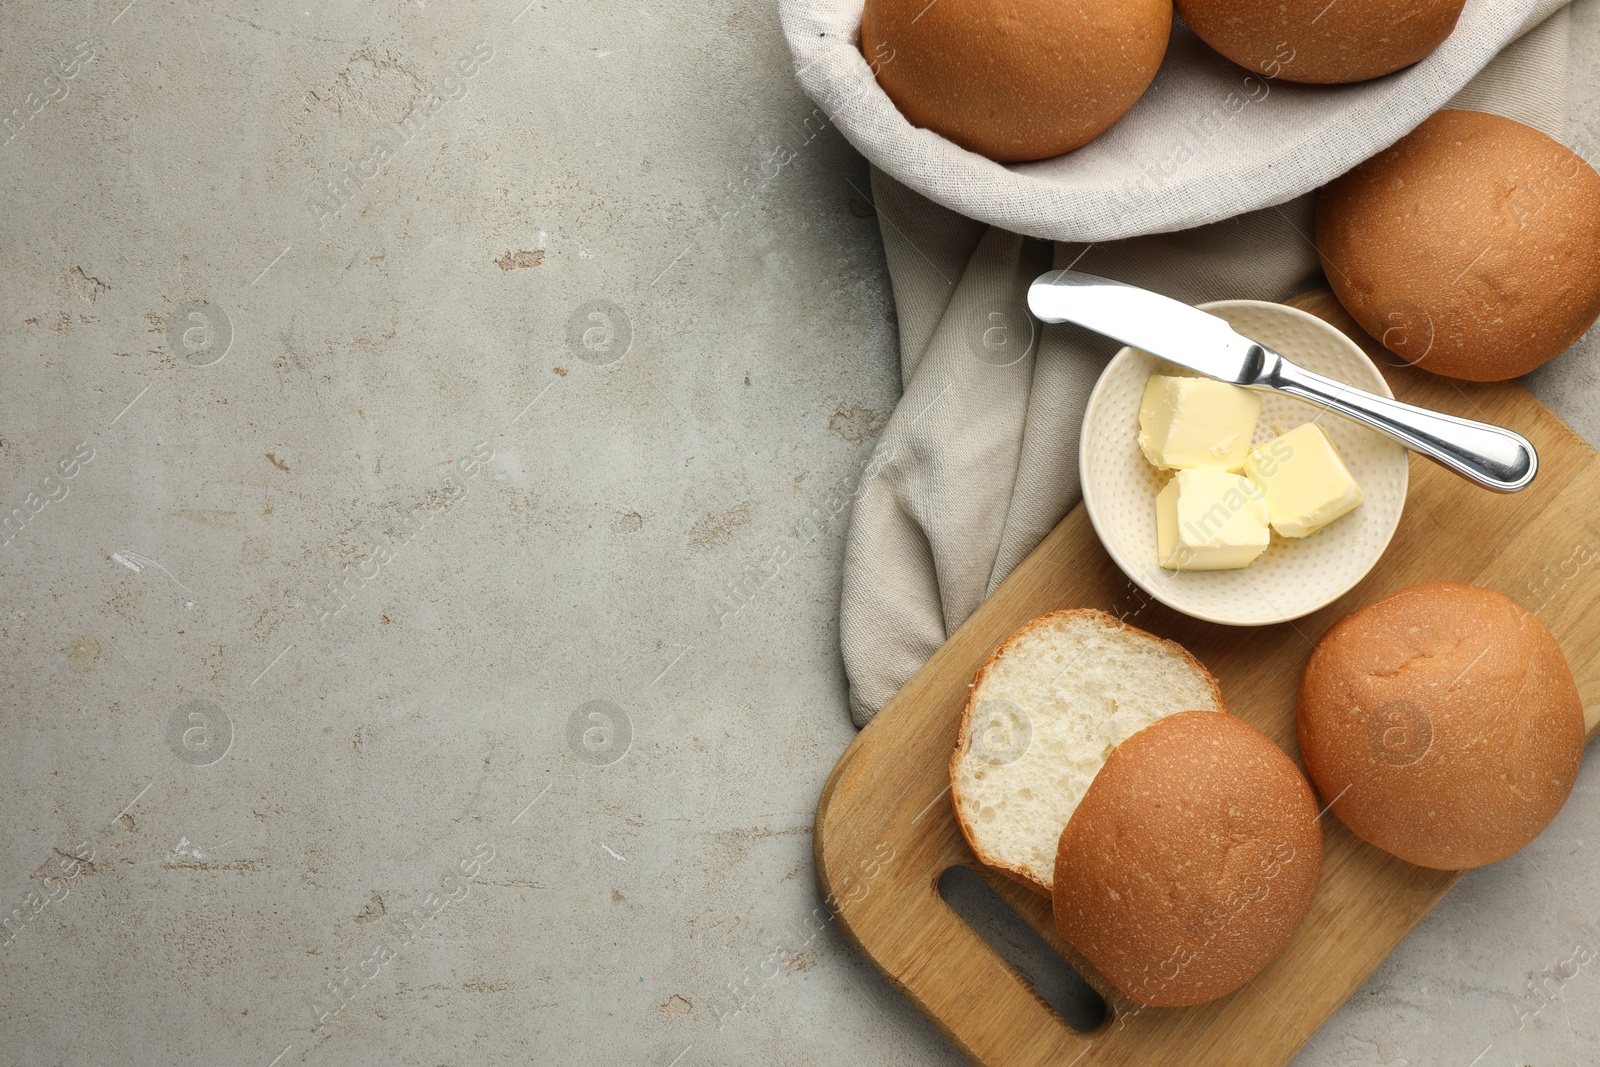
<point>200,333</point>
<point>1399,732</point>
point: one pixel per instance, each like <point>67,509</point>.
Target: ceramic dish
<point>1295,576</point>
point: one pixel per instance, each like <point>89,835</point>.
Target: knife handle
<point>1493,457</point>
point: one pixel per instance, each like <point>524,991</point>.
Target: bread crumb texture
<point>1045,711</point>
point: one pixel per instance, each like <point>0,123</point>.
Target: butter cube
<point>1305,483</point>
<point>1196,422</point>
<point>1209,520</point>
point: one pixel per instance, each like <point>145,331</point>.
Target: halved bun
<point>1191,861</point>
<point>1046,709</point>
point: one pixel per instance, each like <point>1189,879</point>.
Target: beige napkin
<point>979,460</point>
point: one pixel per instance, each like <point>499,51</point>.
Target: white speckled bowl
<point>1294,577</point>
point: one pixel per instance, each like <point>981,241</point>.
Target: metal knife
<point>1493,457</point>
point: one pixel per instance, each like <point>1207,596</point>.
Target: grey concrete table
<point>400,398</point>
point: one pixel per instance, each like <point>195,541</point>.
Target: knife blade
<point>1148,321</point>
<point>1494,457</point>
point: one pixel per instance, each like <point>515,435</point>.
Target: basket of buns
<point>1090,122</point>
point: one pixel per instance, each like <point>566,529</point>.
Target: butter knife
<point>1494,457</point>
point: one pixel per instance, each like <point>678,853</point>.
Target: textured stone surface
<point>612,323</point>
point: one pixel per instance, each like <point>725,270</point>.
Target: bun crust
<point>1317,42</point>
<point>1442,724</point>
<point>1191,862</point>
<point>1066,768</point>
<point>1470,247</point>
<point>1015,80</point>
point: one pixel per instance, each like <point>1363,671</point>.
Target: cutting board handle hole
<point>1019,944</point>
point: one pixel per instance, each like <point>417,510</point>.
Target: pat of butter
<point>1305,483</point>
<point>1209,520</point>
<point>1196,422</point>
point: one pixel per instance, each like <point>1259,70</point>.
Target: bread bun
<point>1320,42</point>
<point>1471,247</point>
<point>1442,724</point>
<point>1191,861</point>
<point>1045,710</point>
<point>1015,79</point>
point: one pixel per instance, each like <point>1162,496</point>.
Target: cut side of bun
<point>1045,711</point>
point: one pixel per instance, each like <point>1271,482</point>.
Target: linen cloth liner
<point>979,459</point>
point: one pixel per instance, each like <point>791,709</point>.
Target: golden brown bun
<point>1471,247</point>
<point>1318,42</point>
<point>1015,79</point>
<point>1442,724</point>
<point>1069,686</point>
<point>1191,862</point>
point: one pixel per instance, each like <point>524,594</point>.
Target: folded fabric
<point>979,459</point>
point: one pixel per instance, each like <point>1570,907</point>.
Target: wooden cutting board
<point>885,831</point>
